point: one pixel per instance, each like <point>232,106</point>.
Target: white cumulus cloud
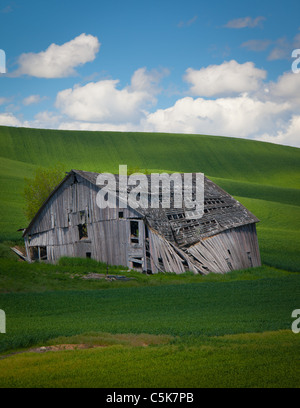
<point>225,79</point>
<point>103,101</point>
<point>290,135</point>
<point>59,60</point>
<point>8,119</point>
<point>229,99</point>
<point>238,117</point>
<point>286,88</point>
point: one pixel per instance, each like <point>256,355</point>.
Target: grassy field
<point>206,308</point>
<point>230,330</point>
<point>252,360</point>
<point>187,331</point>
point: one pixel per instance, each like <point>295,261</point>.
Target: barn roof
<point>221,212</point>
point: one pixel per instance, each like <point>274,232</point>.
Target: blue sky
<point>221,67</point>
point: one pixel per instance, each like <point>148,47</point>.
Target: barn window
<point>137,263</point>
<point>88,254</point>
<point>35,253</point>
<point>82,216</point>
<point>146,233</point>
<point>82,229</point>
<point>121,214</point>
<point>43,253</point>
<point>134,232</point>
<point>39,253</point>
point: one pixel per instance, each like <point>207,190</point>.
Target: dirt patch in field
<point>61,347</point>
<point>96,340</point>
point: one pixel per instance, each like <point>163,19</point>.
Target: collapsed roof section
<point>221,212</point>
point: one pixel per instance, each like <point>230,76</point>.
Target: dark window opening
<point>88,254</point>
<point>43,253</point>
<point>82,216</point>
<point>82,229</point>
<point>134,231</point>
<point>137,265</point>
<point>175,216</point>
<point>121,214</point>
<point>39,253</point>
<point>35,253</point>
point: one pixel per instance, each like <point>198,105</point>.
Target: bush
<point>37,190</point>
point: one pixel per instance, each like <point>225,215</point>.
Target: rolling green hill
<point>263,176</point>
<point>229,158</point>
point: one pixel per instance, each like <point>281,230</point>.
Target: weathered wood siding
<point>233,249</point>
<point>236,248</point>
<point>75,203</point>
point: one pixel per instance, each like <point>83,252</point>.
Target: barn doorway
<point>134,232</point>
<point>136,254</point>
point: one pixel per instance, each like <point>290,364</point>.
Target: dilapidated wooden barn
<point>150,240</point>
